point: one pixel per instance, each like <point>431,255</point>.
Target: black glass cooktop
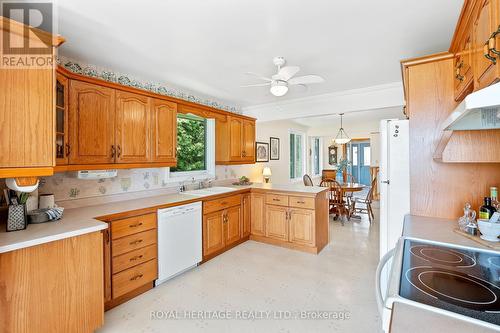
<point>462,281</point>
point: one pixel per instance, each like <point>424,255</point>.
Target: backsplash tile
<point>66,187</point>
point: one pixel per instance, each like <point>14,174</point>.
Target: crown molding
<point>369,98</point>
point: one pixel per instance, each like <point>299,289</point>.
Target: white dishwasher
<point>179,240</point>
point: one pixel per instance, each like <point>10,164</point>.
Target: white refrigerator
<point>394,181</point>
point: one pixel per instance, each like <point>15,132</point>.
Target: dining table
<point>352,187</point>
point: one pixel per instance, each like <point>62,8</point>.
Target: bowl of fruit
<point>243,181</point>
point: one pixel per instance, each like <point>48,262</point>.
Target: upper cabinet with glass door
<point>62,144</point>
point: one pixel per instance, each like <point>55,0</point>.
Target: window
<point>366,156</point>
<point>296,155</point>
<point>355,155</point>
<point>315,156</point>
<point>195,147</point>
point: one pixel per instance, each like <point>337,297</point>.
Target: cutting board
<point>492,245</point>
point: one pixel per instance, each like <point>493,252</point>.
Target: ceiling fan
<point>280,81</point>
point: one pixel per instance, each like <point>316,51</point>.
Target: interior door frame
<point>349,155</point>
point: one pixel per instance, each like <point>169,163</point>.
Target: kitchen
<point>125,210</point>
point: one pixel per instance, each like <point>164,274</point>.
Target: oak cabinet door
<point>233,225</point>
<point>246,220</point>
<point>62,135</point>
<point>213,233</point>
<point>235,139</point>
<point>258,214</point>
<point>486,22</point>
<point>463,74</point>
<point>277,222</point>
<point>164,125</point>
<point>302,226</point>
<point>133,135</point>
<point>248,140</point>
<point>91,123</point>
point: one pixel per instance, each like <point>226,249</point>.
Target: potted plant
<point>342,167</point>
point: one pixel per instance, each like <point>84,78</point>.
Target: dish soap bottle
<point>487,209</point>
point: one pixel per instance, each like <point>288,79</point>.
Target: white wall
<point>279,168</point>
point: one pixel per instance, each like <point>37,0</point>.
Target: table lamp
<point>266,172</point>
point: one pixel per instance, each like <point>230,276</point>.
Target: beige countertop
<point>437,230</point>
<point>82,220</point>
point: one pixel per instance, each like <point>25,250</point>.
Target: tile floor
<point>256,279</point>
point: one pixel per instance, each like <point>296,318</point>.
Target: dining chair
<point>336,198</point>
<point>307,180</point>
<point>367,202</point>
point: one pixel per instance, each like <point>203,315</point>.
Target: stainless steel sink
<point>209,191</point>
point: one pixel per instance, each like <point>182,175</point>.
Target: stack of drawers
<point>134,253</point>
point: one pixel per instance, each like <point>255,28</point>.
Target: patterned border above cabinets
<point>110,76</point>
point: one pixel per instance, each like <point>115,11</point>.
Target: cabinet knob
<point>136,258</point>
<point>487,50</point>
<point>135,225</point>
<point>113,151</point>
<point>119,151</point>
<point>68,150</point>
<point>136,242</point>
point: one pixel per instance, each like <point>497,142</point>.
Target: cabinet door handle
<point>301,202</point>
<point>487,52</point>
<point>274,199</point>
<point>136,242</point>
<point>223,203</point>
<point>493,42</point>
<point>68,149</point>
<point>136,258</point>
<point>135,225</point>
<point>113,151</point>
<point>137,277</point>
<point>119,151</point>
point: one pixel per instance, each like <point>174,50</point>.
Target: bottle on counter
<point>486,210</point>
<point>494,197</point>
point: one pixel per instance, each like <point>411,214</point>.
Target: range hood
<point>478,111</point>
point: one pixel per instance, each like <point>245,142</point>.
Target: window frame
<point>209,172</point>
<point>320,155</point>
<point>304,158</point>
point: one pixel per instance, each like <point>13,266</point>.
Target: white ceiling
<point>350,119</point>
<point>206,46</point>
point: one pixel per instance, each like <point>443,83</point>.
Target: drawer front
<point>220,204</point>
<point>132,225</point>
<point>277,199</point>
<point>302,202</point>
<point>133,258</point>
<point>134,277</point>
<point>133,242</point>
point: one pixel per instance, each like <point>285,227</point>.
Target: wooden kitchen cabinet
<point>248,141</point>
<point>246,220</point>
<point>62,110</point>
<point>277,222</point>
<point>53,287</point>
<point>232,225</point>
<point>213,233</point>
<point>130,257</point>
<point>133,128</point>
<point>91,123</point>
<point>222,225</point>
<point>164,128</point>
<point>235,140</point>
<point>486,45</point>
<point>301,229</point>
<point>463,75</point>
<point>258,214</point>
<point>27,137</point>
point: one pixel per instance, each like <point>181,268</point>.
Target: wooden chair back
<point>369,196</point>
<point>307,180</point>
<point>336,191</point>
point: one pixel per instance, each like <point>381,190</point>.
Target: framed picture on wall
<point>274,148</point>
<point>261,152</point>
<point>332,155</point>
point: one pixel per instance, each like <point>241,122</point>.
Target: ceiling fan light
<point>279,88</point>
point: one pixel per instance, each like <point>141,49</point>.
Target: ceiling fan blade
<point>257,85</point>
<point>259,76</point>
<point>287,72</point>
<point>306,79</point>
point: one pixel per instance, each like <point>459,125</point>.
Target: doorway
<point>359,154</point>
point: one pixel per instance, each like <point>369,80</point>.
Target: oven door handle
<point>378,273</point>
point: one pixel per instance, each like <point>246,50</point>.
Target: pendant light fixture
<point>342,138</point>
